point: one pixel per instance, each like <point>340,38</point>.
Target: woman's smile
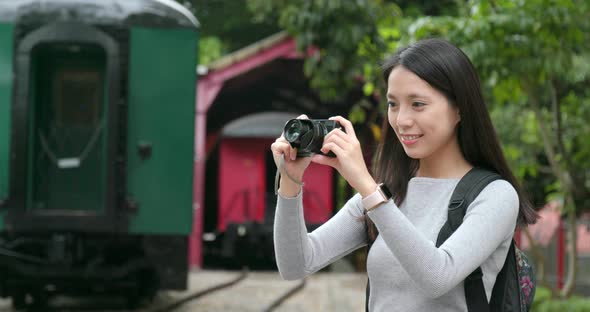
<point>409,139</point>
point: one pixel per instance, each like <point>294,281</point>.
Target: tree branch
<point>576,181</point>
<point>566,182</point>
<point>548,146</point>
<point>538,256</point>
<point>572,260</point>
<point>556,107</point>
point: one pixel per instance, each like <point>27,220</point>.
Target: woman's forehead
<point>403,83</point>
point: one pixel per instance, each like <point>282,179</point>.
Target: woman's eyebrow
<point>409,96</point>
<point>415,95</point>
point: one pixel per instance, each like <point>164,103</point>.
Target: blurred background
<point>135,137</point>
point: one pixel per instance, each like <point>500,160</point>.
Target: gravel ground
<point>322,292</point>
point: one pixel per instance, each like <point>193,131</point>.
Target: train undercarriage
<point>36,268</point>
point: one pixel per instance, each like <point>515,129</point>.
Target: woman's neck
<point>448,163</point>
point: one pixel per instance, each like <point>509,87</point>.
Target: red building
<point>243,101</point>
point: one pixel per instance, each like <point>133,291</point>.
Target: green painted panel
<point>161,113</point>
<point>6,75</point>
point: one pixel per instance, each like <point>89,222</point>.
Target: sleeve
<point>298,253</point>
<point>489,221</point>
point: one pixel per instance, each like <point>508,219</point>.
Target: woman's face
<point>421,116</point>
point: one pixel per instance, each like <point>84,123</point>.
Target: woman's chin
<point>414,155</point>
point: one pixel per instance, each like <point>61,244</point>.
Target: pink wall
<point>241,180</point>
<point>317,193</point>
<point>243,186</point>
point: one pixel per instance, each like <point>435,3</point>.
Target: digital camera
<point>307,135</point>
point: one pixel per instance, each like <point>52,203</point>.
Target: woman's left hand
<point>349,159</point>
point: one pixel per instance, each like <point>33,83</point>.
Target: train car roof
<point>151,13</point>
<point>259,125</point>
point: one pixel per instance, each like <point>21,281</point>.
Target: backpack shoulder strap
<point>464,194</point>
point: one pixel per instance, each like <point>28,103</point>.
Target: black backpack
<point>514,289</point>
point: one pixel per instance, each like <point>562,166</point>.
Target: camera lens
<point>293,130</point>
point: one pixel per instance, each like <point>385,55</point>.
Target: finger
<point>345,123</point>
<point>275,147</point>
<point>339,133</point>
<point>279,145</point>
<point>339,141</point>
<point>280,148</point>
<point>281,139</point>
<point>333,148</point>
<point>323,160</point>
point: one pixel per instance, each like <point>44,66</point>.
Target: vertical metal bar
<point>560,254</point>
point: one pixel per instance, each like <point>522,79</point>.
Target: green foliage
<point>226,26</point>
<point>531,55</point>
<point>343,31</point>
<point>544,302</point>
<point>210,49</point>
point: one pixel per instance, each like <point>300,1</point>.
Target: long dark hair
<point>447,69</point>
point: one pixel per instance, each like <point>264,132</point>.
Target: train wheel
<point>40,300</point>
<point>150,284</point>
<point>133,301</point>
<point>19,301</point>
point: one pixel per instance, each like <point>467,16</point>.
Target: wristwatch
<point>381,195</point>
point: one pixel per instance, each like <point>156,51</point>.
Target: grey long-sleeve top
<point>407,271</point>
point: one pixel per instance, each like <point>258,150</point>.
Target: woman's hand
<point>349,159</point>
<point>294,166</point>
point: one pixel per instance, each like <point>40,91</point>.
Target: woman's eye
<point>418,104</point>
<point>391,104</point>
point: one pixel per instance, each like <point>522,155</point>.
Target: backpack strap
<point>464,194</point>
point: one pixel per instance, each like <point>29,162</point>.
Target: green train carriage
<point>96,146</point>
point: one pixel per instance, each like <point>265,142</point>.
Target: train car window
<point>77,96</point>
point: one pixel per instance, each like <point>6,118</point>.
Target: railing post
<point>560,254</point>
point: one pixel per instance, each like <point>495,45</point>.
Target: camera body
<point>307,135</point>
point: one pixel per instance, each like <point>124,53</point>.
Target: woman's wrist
<point>367,188</point>
<point>288,188</point>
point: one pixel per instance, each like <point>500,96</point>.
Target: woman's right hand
<point>294,165</point>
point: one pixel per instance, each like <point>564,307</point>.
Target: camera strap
<point>281,169</point>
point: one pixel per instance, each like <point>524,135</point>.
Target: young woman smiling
<point>438,129</point>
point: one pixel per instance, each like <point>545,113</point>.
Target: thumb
<point>323,160</point>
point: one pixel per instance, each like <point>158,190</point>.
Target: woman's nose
<point>404,118</point>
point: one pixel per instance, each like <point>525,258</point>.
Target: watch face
<point>385,191</point>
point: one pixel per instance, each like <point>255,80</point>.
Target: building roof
<point>260,125</point>
<point>248,51</point>
<point>152,13</point>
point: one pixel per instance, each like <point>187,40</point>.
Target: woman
<point>438,129</point>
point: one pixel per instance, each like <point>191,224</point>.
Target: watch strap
<point>381,195</point>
